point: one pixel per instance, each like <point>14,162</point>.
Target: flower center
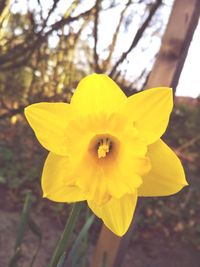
<point>104,147</point>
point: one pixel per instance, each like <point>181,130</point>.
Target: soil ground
<point>152,251</point>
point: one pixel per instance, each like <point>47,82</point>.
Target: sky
<point>189,82</point>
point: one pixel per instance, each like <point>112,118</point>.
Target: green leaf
<point>13,261</point>
<point>36,230</point>
<point>64,240</point>
<point>61,261</point>
<point>21,231</point>
<point>24,220</point>
<point>73,255</point>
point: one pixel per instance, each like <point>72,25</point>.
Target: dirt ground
<point>153,251</point>
<point>161,252</point>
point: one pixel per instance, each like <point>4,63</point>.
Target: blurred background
<point>46,47</point>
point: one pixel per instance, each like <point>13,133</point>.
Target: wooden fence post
<point>175,44</point>
<point>166,72</point>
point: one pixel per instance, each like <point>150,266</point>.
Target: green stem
<point>64,240</point>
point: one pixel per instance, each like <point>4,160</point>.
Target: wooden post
<point>112,247</point>
<point>105,248</point>
<point>175,44</point>
<point>166,72</point>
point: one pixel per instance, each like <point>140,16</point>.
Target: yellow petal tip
<point>44,195</point>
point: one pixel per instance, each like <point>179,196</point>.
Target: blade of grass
<point>36,230</point>
<point>13,261</point>
<point>84,261</point>
<point>21,230</point>
<point>73,255</point>
<point>61,261</point>
<point>24,220</point>
<point>64,240</point>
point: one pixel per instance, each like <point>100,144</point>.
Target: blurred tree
<point>46,48</point>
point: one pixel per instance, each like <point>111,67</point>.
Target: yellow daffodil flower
<point>106,148</point>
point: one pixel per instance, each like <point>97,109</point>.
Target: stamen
<point>104,147</point>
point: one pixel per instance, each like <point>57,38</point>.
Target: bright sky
<point>189,83</point>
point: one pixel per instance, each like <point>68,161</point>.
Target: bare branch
<point>71,8</point>
<point>96,19</point>
<point>66,15</point>
<point>188,144</point>
<point>49,14</point>
<point>22,52</point>
<point>3,4</point>
<point>12,112</point>
<point>115,36</point>
<point>4,11</point>
<point>137,36</point>
<point>66,20</point>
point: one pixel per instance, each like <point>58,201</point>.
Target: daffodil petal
<point>57,183</point>
<point>49,121</point>
<point>149,111</point>
<point>117,214</point>
<point>97,94</point>
<point>166,176</point>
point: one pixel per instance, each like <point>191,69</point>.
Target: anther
<point>103,147</point>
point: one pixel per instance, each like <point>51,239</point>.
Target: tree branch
<point>115,36</point>
<point>96,19</point>
<point>188,144</point>
<point>3,4</point>
<point>49,14</point>
<point>12,112</point>
<point>137,36</point>
<point>25,49</point>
